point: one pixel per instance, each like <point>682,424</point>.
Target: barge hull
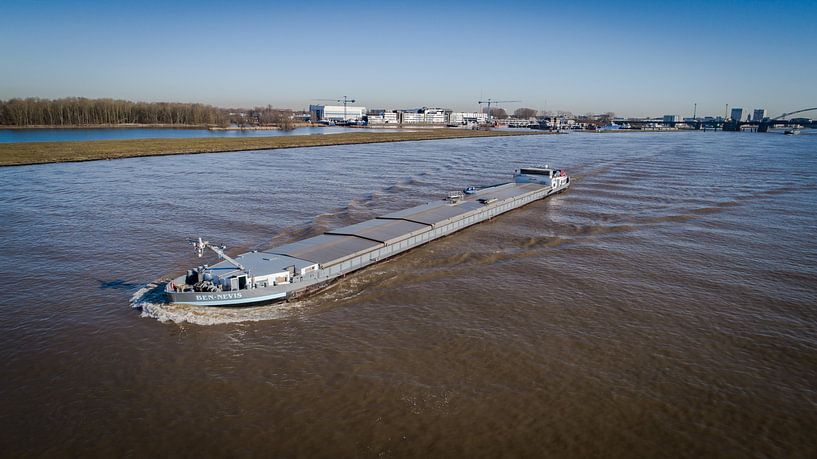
<point>345,250</point>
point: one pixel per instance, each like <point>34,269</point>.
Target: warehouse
<point>336,113</point>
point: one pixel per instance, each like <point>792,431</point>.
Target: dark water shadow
<point>118,284</point>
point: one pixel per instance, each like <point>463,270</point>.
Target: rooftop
<point>260,263</point>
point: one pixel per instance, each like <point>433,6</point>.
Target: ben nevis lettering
<point>219,296</point>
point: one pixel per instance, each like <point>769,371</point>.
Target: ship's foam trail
<point>148,299</point>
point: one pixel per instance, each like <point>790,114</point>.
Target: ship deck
<point>343,244</point>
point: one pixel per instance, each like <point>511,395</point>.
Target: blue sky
<point>632,58</point>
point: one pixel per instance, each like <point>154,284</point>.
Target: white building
<point>759,114</point>
<point>670,119</point>
<point>462,118</point>
<point>414,117</point>
<point>336,112</point>
<point>425,115</point>
<point>377,117</point>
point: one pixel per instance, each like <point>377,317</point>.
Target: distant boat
<point>609,127</point>
<point>794,131</point>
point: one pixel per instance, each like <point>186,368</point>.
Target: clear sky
<point>632,58</point>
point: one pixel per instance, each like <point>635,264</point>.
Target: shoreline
<point>252,128</point>
<point>32,153</point>
<point>107,126</point>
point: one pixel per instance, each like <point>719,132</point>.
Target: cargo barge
<point>292,270</point>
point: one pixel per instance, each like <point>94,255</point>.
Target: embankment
<point>16,154</point>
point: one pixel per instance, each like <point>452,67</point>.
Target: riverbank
<point>250,128</point>
<point>18,154</point>
<point>108,126</point>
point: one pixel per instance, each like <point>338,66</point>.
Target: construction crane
<point>344,101</point>
<point>489,102</point>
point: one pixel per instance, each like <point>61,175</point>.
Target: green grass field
<point>14,154</point>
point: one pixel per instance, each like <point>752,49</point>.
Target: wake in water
<point>149,300</point>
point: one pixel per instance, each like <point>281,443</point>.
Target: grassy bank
<point>15,154</point>
<point>106,126</point>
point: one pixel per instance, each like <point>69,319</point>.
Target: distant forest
<point>81,111</point>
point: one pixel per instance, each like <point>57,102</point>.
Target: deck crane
<point>489,102</point>
<point>200,245</point>
<point>344,101</point>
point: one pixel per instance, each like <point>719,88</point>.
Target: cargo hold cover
<point>434,213</point>
<point>327,249</point>
<point>385,231</point>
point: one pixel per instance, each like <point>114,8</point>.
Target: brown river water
<point>666,305</point>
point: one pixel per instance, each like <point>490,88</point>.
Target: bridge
<point>765,124</point>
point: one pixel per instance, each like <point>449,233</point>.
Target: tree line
<point>81,111</point>
<point>263,116</point>
<point>521,113</point>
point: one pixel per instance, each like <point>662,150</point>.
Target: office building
<point>737,114</point>
<point>461,118</point>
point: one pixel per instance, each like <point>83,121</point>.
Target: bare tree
<point>80,111</point>
<point>496,112</point>
<point>524,113</point>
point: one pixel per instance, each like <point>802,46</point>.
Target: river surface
<point>82,134</point>
<point>665,305</point>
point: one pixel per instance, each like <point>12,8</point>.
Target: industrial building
<point>336,113</point>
